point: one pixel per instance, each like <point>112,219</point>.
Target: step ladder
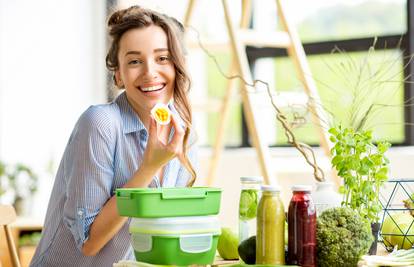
<point>239,38</point>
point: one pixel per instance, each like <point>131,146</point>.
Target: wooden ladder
<point>240,37</point>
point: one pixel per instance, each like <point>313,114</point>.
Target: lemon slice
<point>161,114</point>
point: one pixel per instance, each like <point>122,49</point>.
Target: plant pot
<point>375,227</point>
<point>325,197</point>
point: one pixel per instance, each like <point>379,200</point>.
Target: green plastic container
<point>168,202</point>
<point>179,241</point>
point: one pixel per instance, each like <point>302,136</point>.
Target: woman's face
<point>145,68</point>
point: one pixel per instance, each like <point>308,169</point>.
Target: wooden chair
<point>7,216</point>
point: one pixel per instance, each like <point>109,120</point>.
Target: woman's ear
<point>118,81</point>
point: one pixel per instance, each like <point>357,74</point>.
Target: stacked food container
<point>172,226</point>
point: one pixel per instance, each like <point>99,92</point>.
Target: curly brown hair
<point>137,17</point>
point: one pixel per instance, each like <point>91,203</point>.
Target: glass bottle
<point>302,228</point>
<point>270,239</point>
<point>249,198</point>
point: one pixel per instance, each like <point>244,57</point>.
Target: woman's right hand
<point>158,153</point>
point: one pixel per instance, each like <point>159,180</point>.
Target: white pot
<point>325,196</point>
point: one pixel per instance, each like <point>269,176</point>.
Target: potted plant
<point>17,183</point>
<point>364,168</point>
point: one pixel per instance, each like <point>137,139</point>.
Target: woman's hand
<point>158,153</point>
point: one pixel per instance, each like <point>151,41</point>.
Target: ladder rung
<point>277,39</point>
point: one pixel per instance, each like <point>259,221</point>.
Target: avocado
<point>247,250</point>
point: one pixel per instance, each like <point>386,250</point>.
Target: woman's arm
<point>107,223</point>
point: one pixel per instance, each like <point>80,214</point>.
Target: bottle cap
<point>305,188</point>
<point>270,188</point>
<point>251,179</point>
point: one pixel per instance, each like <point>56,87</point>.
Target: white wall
<point>51,69</point>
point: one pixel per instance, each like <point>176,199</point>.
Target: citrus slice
<point>161,114</point>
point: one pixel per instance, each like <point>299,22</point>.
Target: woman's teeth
<point>152,88</point>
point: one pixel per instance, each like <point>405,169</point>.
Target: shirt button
<point>80,213</point>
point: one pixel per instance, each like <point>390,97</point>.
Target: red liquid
<point>302,230</point>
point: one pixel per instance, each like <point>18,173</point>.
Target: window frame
<point>404,42</point>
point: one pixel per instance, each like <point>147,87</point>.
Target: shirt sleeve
<point>88,171</point>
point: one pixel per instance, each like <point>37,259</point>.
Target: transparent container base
<point>247,228</point>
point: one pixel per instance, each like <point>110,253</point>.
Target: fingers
<point>153,129</point>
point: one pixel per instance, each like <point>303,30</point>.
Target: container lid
<point>168,192</point>
<point>305,188</point>
<point>251,179</point>
<point>270,188</point>
<point>175,225</point>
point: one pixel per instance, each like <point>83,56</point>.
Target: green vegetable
<point>364,168</point>
<point>247,250</point>
<point>227,244</point>
<point>248,204</point>
<point>343,236</point>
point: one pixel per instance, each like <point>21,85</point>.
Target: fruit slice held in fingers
<point>161,114</point>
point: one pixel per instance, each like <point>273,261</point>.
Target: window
<point>352,27</point>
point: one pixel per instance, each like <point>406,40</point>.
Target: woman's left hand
<point>158,153</point>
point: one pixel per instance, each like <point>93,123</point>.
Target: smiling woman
<point>120,145</point>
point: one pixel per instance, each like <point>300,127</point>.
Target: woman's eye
<point>164,58</point>
<point>134,62</point>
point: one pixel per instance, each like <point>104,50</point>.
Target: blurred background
<point>52,68</point>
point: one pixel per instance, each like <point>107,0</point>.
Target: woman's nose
<point>150,69</point>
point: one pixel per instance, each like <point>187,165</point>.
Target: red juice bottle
<point>302,228</point>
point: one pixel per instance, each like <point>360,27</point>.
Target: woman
<point>110,146</point>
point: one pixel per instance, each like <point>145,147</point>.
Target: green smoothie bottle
<point>270,239</point>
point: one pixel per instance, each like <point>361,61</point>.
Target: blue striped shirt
<point>104,150</point>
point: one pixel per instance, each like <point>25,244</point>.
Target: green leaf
<point>376,159</point>
<point>383,147</point>
<point>337,159</point>
<point>382,174</point>
<point>354,163</point>
<point>350,141</point>
<point>333,131</point>
<point>363,170</point>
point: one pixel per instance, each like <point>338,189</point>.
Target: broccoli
<point>342,237</point>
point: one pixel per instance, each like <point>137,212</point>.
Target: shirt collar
<point>131,121</point>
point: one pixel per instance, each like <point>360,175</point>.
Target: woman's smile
<point>151,88</point>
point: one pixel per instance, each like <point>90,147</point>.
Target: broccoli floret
<point>342,237</point>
